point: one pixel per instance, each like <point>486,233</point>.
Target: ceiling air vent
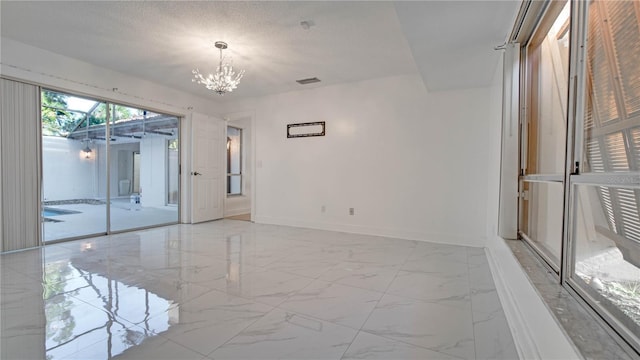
<point>308,81</point>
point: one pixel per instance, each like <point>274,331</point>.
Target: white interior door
<point>207,168</point>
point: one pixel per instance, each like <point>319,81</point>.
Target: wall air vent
<point>308,81</point>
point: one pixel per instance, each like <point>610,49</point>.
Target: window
<point>545,133</point>
<point>234,161</point>
<point>606,259</point>
<point>587,230</point>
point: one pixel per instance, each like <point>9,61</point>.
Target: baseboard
<point>234,212</point>
<point>462,240</point>
<point>535,332</point>
<point>522,338</point>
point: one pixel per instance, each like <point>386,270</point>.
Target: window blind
<point>20,159</point>
<point>613,107</point>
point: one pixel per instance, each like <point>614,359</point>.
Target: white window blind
<point>20,159</point>
<point>600,71</point>
<point>635,148</point>
<point>623,22</point>
<point>612,119</point>
<point>628,203</point>
<point>616,153</point>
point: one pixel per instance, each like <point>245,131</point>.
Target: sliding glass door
<point>98,157</point>
<point>136,133</point>
<point>73,204</point>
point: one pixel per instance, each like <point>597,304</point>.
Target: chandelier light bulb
<point>225,78</point>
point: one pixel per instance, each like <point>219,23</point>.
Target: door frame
<point>254,164</point>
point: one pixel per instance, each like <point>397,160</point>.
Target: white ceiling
<point>450,43</point>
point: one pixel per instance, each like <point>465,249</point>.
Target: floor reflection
<point>71,321</point>
<point>112,301</point>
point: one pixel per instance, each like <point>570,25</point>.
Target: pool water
<point>49,211</point>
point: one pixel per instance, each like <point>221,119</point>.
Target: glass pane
<point>548,76</point>
<point>233,150</point>
<point>612,114</point>
<point>234,160</point>
<point>173,172</point>
<point>607,250</point>
<point>143,168</point>
<point>74,199</point>
<point>234,184</point>
<point>542,217</point>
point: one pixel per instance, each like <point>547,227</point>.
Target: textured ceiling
<point>163,41</point>
<point>453,41</point>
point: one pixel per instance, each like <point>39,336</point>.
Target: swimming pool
<point>49,211</point>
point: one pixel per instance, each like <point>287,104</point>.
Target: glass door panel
<point>143,171</point>
<point>73,166</point>
<point>544,136</point>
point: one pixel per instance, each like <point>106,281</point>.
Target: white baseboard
<point>535,331</point>
<point>234,212</point>
<point>463,240</point>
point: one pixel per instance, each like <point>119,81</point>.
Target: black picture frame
<point>299,129</point>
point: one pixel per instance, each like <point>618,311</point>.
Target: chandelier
<point>224,80</point>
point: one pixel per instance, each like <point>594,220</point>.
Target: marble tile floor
<point>236,290</point>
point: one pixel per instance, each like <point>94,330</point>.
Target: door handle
<point>196,173</point>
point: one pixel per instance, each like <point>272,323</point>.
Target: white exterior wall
<point>153,170</point>
<point>114,167</point>
<point>68,174</point>
<point>412,164</point>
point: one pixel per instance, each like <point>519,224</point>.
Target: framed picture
<point>306,129</point>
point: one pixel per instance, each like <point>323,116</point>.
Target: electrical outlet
<point>351,211</point>
<point>323,208</point>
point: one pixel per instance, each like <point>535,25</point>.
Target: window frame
<point>241,162</point>
<point>625,180</point>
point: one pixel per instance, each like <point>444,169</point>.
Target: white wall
<point>413,164</point>
<point>67,174</point>
<point>153,170</point>
<point>236,205</point>
<point>494,153</point>
<point>101,175</point>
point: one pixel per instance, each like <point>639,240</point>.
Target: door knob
<point>196,173</point>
